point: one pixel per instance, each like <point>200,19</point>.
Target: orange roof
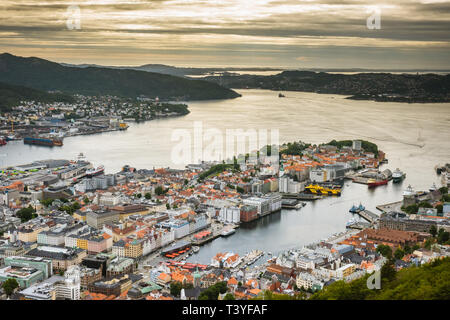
<point>232,281</point>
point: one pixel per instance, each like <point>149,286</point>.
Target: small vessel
<point>280,95</point>
<point>372,183</point>
<point>3,141</point>
<point>356,209</point>
<point>351,222</point>
<point>95,171</point>
<point>227,232</point>
<point>41,141</point>
<point>433,187</point>
<point>10,137</point>
<point>398,175</point>
<point>195,249</point>
<point>408,191</point>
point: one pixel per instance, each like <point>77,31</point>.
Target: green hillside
<point>49,76</point>
<point>428,282</point>
<point>11,95</point>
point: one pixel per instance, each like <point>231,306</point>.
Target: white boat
<point>409,191</point>
<point>95,171</point>
<point>195,249</point>
<point>227,232</point>
<point>433,187</point>
<point>398,175</point>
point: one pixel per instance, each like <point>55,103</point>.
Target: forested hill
<point>11,95</point>
<point>49,76</point>
<point>430,281</point>
<point>361,86</point>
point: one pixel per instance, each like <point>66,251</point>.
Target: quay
<point>368,215</point>
<point>300,196</point>
<point>388,207</point>
<point>359,225</point>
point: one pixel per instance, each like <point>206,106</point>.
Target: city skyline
<point>263,33</point>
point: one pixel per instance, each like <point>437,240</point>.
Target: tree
<point>407,249</point>
<point>433,230</point>
<point>440,208</point>
<point>425,204</point>
<point>86,200</point>
<point>443,190</point>
<point>240,189</point>
<point>148,196</point>
<point>159,190</point>
<point>25,214</point>
<point>167,206</point>
<point>385,251</point>
<point>443,236</point>
<point>47,202</point>
<point>9,286</point>
<point>175,288</point>
<point>399,253</point>
<point>76,206</point>
<point>61,272</point>
<point>229,296</point>
<point>388,272</point>
<point>139,195</point>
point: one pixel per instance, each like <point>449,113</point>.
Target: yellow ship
<point>319,190</point>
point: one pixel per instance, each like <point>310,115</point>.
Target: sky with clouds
<point>258,33</point>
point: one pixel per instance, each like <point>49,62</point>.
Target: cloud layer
<point>276,33</point>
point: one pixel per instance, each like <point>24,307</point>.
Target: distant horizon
<point>244,68</point>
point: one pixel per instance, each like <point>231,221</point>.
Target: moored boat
<point>398,175</point>
<point>41,141</point>
<point>95,171</point>
<point>372,183</point>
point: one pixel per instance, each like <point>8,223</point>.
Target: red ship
<point>372,183</point>
<point>3,142</point>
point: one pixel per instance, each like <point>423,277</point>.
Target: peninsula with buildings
<point>70,231</point>
<point>84,115</point>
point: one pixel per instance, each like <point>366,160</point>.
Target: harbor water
<point>415,138</point>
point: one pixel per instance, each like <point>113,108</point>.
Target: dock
<point>388,207</point>
<point>359,225</point>
<point>300,196</point>
<point>368,215</point>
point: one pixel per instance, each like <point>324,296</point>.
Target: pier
<point>388,207</point>
<point>368,215</point>
<point>359,225</point>
<point>300,196</point>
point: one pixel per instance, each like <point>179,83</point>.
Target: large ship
<point>398,175</point>
<point>372,183</point>
<point>49,142</point>
<point>95,171</point>
<point>327,191</point>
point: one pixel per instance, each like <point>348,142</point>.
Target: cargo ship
<point>49,142</point>
<point>319,190</point>
<point>372,183</point>
<point>398,175</point>
<point>95,171</point>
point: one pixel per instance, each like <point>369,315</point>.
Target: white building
<point>230,215</point>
